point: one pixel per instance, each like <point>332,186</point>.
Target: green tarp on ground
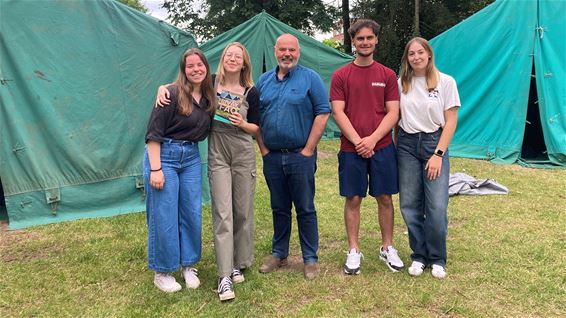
<point>491,56</point>
<point>259,35</point>
<point>77,79</point>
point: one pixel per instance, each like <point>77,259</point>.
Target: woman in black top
<point>172,173</point>
<point>232,165</point>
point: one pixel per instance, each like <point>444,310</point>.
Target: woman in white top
<point>429,111</point>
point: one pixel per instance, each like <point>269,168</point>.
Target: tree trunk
<point>346,26</point>
<point>417,22</point>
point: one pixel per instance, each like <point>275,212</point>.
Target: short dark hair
<point>364,23</point>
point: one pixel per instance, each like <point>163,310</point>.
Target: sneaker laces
<point>350,258</point>
<point>391,252</point>
<point>417,265</point>
<point>191,269</point>
<point>225,285</point>
<point>360,253</point>
<point>236,272</point>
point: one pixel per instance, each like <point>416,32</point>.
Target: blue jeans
<point>174,214</point>
<point>423,202</point>
<point>290,179</point>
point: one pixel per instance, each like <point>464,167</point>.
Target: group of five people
<point>286,111</point>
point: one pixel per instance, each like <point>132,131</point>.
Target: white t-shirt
<point>423,111</point>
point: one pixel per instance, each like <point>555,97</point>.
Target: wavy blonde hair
<point>246,72</point>
<point>407,73</point>
<point>185,88</point>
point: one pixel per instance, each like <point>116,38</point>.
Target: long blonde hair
<point>185,88</point>
<point>246,72</point>
<point>432,75</point>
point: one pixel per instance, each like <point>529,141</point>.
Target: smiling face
<point>233,60</point>
<point>287,52</point>
<point>365,41</point>
<point>195,69</point>
<point>418,57</point>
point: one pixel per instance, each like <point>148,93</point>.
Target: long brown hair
<point>246,72</point>
<point>185,88</point>
<point>407,72</point>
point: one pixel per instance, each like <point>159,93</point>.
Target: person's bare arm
<point>343,122</point>
<point>434,164</point>
<point>156,178</point>
<point>367,144</point>
<point>237,120</point>
<point>162,98</point>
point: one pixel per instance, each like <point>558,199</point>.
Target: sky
<point>154,8</point>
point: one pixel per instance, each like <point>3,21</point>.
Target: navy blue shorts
<point>380,171</point>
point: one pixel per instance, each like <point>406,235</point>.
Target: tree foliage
<point>208,18</point>
<point>136,4</point>
<point>335,44</point>
<point>397,17</point>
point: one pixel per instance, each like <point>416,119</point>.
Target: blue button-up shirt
<point>288,106</point>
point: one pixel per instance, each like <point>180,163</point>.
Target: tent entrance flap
<point>3,210</point>
<point>534,148</point>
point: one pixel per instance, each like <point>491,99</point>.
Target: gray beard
<point>284,67</point>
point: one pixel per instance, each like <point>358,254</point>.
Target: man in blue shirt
<point>294,109</point>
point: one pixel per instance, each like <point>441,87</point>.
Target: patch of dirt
<point>14,246</point>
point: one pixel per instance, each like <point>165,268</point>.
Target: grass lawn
<point>506,258</point>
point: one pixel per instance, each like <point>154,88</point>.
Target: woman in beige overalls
<point>232,165</point>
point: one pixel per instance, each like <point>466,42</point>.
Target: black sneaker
<point>237,276</point>
<point>225,288</point>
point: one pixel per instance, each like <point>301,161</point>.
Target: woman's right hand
<point>162,98</point>
<point>157,179</point>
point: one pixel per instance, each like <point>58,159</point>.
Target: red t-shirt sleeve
<point>337,86</point>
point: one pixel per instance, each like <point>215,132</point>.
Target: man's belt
<point>287,150</point>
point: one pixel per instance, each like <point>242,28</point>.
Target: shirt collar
<point>288,75</point>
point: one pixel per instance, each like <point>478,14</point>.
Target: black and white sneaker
<point>416,268</point>
<point>225,289</point>
<point>237,276</point>
<point>353,262</point>
<point>391,259</point>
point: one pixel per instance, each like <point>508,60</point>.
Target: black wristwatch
<point>439,153</point>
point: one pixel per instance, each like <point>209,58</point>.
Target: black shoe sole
<point>348,271</point>
<point>394,269</point>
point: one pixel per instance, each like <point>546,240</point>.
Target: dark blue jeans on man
<point>423,202</point>
<point>290,179</point>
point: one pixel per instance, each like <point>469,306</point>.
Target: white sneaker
<point>353,262</point>
<point>237,276</point>
<point>416,268</point>
<point>390,257</point>
<point>165,282</point>
<point>438,271</point>
<point>191,277</point>
<point>225,289</point>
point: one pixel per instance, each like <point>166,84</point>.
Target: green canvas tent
<point>77,80</point>
<point>509,61</point>
<point>259,34</point>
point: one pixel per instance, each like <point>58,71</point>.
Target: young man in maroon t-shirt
<point>365,105</point>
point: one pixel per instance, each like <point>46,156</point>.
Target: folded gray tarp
<point>461,183</point>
